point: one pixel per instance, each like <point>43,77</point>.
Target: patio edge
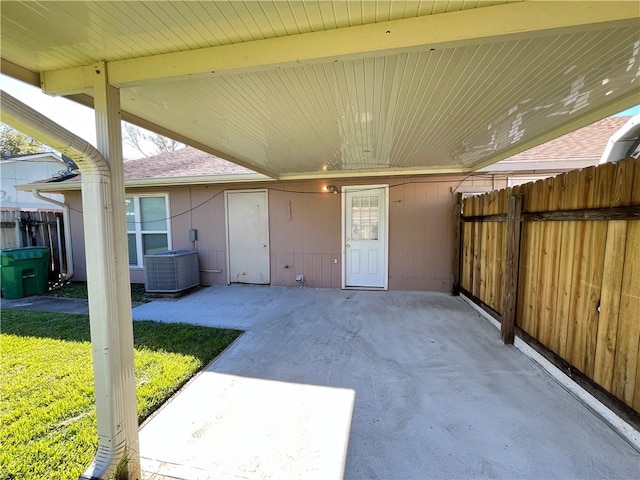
<point>623,428</point>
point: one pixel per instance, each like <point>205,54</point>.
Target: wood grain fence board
<point>7,232</point>
<point>473,204</point>
<point>603,180</point>
<point>626,379</point>
<point>472,256</point>
<point>565,266</point>
<point>526,252</point>
<point>481,258</point>
<point>500,251</point>
<point>594,290</point>
<point>626,369</point>
<point>606,335</point>
<point>465,278</point>
<point>578,309</point>
<point>493,264</point>
<point>487,266</point>
<point>501,206</point>
<point>511,261</point>
<point>549,268</point>
<point>477,264</point>
<point>485,261</point>
<point>635,200</point>
<point>534,202</point>
<point>456,266</point>
<point>544,278</point>
<point>633,293</point>
<point>613,269</point>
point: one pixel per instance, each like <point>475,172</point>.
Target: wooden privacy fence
<point>36,229</point>
<point>560,260</point>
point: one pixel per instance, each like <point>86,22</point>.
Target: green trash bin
<point>24,271</point>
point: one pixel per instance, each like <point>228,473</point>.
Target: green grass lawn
<point>79,290</point>
<point>47,405</point>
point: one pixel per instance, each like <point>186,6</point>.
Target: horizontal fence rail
<point>562,265</point>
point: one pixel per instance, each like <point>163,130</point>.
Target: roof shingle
<point>186,162</point>
<point>587,142</point>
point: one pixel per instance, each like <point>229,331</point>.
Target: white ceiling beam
<point>447,30</point>
<point>16,71</point>
<point>389,172</point>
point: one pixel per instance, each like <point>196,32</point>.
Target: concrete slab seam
<point>623,428</point>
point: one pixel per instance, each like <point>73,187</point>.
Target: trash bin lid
<point>24,253</point>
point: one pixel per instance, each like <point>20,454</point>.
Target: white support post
<point>107,273</point>
<point>109,295</point>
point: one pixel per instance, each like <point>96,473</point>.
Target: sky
<point>71,115</point>
<point>80,120</point>
<point>632,111</point>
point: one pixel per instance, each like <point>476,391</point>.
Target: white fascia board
<point>151,182</point>
<point>446,30</point>
<point>49,157</point>
<point>541,165</point>
<point>198,180</point>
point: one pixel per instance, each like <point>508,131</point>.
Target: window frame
<point>139,232</point>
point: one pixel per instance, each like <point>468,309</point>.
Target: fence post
<point>457,243</point>
<point>18,222</point>
<point>511,269</point>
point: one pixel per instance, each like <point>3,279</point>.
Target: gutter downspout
<point>115,395</point>
<point>68,274</point>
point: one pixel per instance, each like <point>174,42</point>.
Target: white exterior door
<point>365,236</point>
<point>248,237</point>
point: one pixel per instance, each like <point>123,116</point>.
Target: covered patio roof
<point>295,89</point>
<point>347,88</point>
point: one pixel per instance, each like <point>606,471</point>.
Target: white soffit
<point>304,89</point>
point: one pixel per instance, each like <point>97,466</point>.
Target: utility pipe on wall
<point>111,333</point>
<point>68,274</point>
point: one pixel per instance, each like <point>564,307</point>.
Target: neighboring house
<point>579,149</point>
<point>21,169</point>
<point>281,230</point>
<point>624,142</point>
<point>171,194</point>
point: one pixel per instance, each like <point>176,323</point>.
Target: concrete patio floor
<point>334,384</point>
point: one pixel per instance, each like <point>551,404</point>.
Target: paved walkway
<point>47,304</point>
<point>333,384</point>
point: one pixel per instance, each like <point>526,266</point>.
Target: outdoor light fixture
<point>331,188</point>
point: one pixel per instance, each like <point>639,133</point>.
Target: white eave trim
<point>54,187</point>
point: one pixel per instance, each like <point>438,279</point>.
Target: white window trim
<point>139,232</point>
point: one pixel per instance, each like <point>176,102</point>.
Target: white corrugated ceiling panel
<point>410,111</point>
<point>486,91</point>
